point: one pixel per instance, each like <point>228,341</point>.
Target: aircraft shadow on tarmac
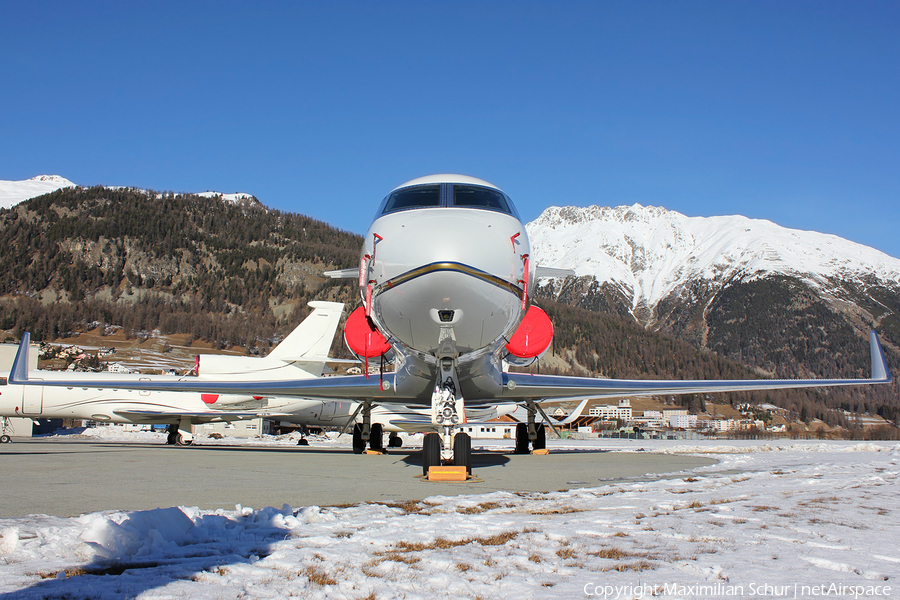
<point>479,459</point>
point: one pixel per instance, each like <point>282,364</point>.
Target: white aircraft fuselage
<point>446,281</point>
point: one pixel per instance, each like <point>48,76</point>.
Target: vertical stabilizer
<point>312,339</point>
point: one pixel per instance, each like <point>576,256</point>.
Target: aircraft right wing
<point>525,385</point>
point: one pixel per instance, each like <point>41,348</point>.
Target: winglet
<point>880,370</point>
<point>19,372</point>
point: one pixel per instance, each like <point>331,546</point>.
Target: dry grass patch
<point>444,544</point>
<point>409,507</point>
<point>721,501</point>
<point>563,510</point>
<point>393,556</point>
<point>480,508</point>
<point>565,553</point>
<point>638,566</point>
<point>610,553</point>
<point>318,577</point>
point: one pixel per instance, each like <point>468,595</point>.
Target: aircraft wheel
<point>394,441</point>
<point>541,441</point>
<point>462,451</point>
<point>522,438</point>
<point>376,437</point>
<point>359,444</point>
<point>4,439</point>
<point>431,452</point>
<point>181,441</point>
<point>303,442</point>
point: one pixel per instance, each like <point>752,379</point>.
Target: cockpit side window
<point>479,197</point>
<point>423,196</point>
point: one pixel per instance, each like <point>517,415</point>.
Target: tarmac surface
<point>69,477</point>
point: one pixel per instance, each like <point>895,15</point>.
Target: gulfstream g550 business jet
<point>445,278</point>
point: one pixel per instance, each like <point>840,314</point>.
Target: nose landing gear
<point>447,412</point>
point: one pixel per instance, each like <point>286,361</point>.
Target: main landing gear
<point>531,433</point>
<point>4,437</point>
<point>180,435</point>
<point>367,433</point>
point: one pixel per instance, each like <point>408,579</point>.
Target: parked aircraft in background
<point>301,355</point>
<point>446,279</point>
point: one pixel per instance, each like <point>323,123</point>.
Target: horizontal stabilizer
<point>343,274</point>
<point>551,272</point>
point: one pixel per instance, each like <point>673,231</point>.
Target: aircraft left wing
<point>525,385</point>
<point>350,387</point>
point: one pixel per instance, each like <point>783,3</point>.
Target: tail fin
<point>312,339</point>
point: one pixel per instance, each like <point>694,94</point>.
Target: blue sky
<point>786,111</point>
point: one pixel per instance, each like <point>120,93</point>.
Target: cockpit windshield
<point>447,195</point>
<point>423,196</point>
<point>479,197</point>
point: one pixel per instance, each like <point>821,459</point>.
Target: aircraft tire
<point>376,437</point>
<point>180,441</point>
<point>431,452</point>
<point>522,438</point>
<point>4,439</point>
<point>303,442</point>
<point>394,441</point>
<point>462,451</point>
<point>541,441</point>
<point>359,444</point>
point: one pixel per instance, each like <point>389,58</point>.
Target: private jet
<point>303,354</point>
<point>446,281</point>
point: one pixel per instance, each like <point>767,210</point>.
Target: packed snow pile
<point>780,521</point>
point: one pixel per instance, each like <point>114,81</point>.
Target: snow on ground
<point>770,520</point>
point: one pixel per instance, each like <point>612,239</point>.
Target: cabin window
<point>424,196</point>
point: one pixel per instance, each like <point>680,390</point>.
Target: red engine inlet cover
<point>362,339</point>
<point>533,336</point>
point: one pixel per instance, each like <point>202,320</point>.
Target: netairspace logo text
<point>721,590</point>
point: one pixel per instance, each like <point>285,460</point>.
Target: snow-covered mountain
<point>650,253</point>
<point>13,192</point>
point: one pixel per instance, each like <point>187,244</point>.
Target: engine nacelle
<point>363,340</point>
<point>531,339</point>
